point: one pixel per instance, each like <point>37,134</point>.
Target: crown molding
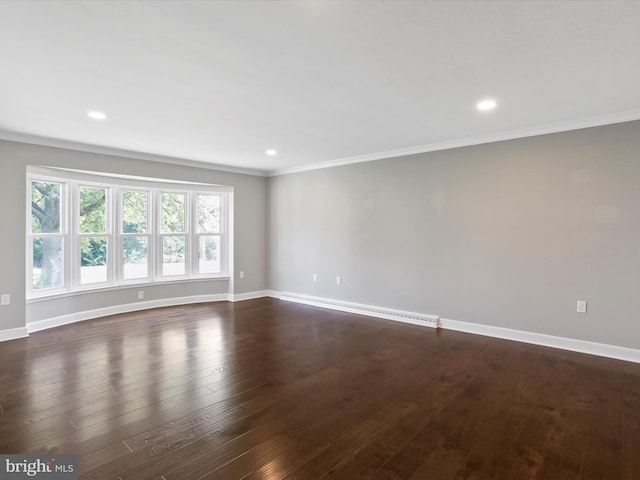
<point>118,152</point>
<point>597,121</point>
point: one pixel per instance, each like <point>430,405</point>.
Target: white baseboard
<point>124,308</point>
<point>13,333</point>
<point>582,346</point>
<point>572,344</point>
<point>238,297</point>
<point>372,311</point>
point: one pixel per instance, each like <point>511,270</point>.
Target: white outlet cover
<point>581,306</point>
<point>338,280</point>
<point>5,299</point>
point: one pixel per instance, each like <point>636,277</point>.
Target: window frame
<point>63,234</point>
<point>71,181</point>
<point>76,236</point>
<point>121,235</point>
<point>161,235</point>
<point>196,235</point>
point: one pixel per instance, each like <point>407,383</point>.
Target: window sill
<point>110,288</point>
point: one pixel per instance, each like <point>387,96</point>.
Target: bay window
<point>95,231</point>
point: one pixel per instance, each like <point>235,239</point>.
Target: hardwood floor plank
<point>602,459</point>
<point>631,447</point>
<point>354,439</point>
<point>251,460</point>
<point>162,453</point>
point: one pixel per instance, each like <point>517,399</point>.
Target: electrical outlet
<point>241,274</point>
<point>141,295</point>
<point>338,280</point>
<point>315,277</point>
<point>5,299</point>
<point>581,306</point>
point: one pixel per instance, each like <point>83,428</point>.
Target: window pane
<point>173,255</point>
<point>134,212</point>
<point>93,209</point>
<point>47,263</point>
<point>208,213</point>
<point>93,260</point>
<point>136,257</point>
<point>45,207</point>
<point>173,212</point>
<point>209,254</point>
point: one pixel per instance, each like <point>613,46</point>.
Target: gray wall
<point>509,234</point>
<point>250,215</point>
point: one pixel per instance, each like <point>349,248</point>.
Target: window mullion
<point>223,234</point>
<point>73,257</point>
<point>192,239</point>
<point>65,229</point>
<point>158,236</point>
<point>151,234</point>
<point>117,253</point>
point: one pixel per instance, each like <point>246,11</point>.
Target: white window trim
<point>71,180</point>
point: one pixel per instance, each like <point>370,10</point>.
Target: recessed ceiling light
<point>271,153</point>
<point>97,115</point>
<point>486,105</point>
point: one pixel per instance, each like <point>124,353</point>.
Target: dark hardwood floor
<point>265,389</point>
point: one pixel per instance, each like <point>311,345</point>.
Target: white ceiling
<point>220,82</point>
